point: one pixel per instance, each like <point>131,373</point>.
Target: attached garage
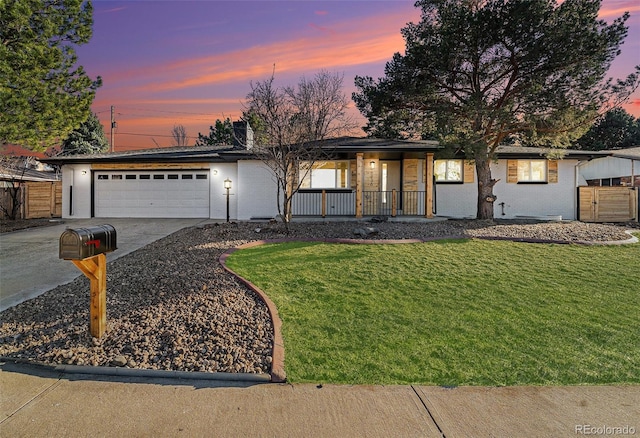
<point>151,193</point>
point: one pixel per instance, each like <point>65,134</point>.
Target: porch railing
<point>325,203</point>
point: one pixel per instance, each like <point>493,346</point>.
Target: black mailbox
<point>80,243</point>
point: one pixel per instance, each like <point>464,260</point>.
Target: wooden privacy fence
<point>607,204</point>
<point>39,199</point>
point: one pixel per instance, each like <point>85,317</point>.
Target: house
<point>620,168</point>
<point>364,177</point>
<point>29,188</point>
<point>15,169</point>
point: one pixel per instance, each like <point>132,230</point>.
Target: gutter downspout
<point>576,197</point>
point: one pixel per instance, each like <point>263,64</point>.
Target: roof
<point>230,153</point>
<point>173,154</point>
<point>630,153</point>
<point>345,145</point>
<point>8,174</point>
<point>532,152</point>
<point>370,144</point>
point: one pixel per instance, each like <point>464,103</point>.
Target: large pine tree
<point>479,73</point>
<point>44,95</point>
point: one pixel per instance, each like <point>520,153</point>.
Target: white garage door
<point>157,194</point>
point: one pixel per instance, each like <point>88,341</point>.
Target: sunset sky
<point>165,63</point>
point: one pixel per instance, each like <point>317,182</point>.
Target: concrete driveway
<point>29,263</point>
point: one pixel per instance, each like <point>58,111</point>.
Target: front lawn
<point>457,312</point>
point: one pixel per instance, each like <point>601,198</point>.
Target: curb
<point>278,374</point>
<point>136,372</point>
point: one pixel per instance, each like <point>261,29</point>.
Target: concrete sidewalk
<point>37,402</point>
<point>29,263</point>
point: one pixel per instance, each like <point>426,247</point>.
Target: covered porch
<point>370,177</point>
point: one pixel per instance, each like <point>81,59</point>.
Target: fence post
<point>24,200</point>
<point>324,203</point>
<point>394,203</point>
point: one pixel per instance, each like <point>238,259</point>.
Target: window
<point>158,176</point>
<point>532,170</point>
<point>187,176</point>
<point>201,176</point>
<point>448,170</point>
<point>385,175</point>
<point>325,175</point>
<point>103,176</point>
<point>172,176</point>
<point>145,176</point>
<point>130,177</point>
<point>116,176</point>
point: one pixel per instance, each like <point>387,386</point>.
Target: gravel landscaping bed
<point>171,306</point>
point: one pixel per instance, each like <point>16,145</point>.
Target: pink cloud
<point>321,12</point>
<point>108,11</point>
<point>633,107</point>
<point>345,47</point>
<point>616,9</point>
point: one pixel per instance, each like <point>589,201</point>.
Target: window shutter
<point>469,169</point>
<point>410,174</point>
<point>552,171</point>
<point>512,171</point>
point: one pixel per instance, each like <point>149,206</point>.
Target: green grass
<point>461,312</point>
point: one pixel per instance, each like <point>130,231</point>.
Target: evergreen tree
<point>219,134</point>
<point>89,138</point>
<point>480,73</point>
<point>616,129</point>
<point>44,95</point>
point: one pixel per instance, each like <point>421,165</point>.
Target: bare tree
<point>12,170</point>
<point>179,134</point>
<point>289,122</point>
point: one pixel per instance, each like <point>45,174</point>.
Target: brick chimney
<point>242,135</point>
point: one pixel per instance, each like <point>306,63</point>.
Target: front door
<point>390,179</point>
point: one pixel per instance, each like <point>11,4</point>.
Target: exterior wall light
<point>372,164</point>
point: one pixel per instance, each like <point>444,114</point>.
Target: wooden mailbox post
<point>86,248</point>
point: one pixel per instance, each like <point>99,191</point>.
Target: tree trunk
<point>486,198</point>
<point>287,197</point>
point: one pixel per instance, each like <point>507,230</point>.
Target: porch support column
<point>359,179</point>
<point>428,204</point>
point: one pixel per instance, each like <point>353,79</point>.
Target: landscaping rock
<point>365,231</point>
<point>119,361</point>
